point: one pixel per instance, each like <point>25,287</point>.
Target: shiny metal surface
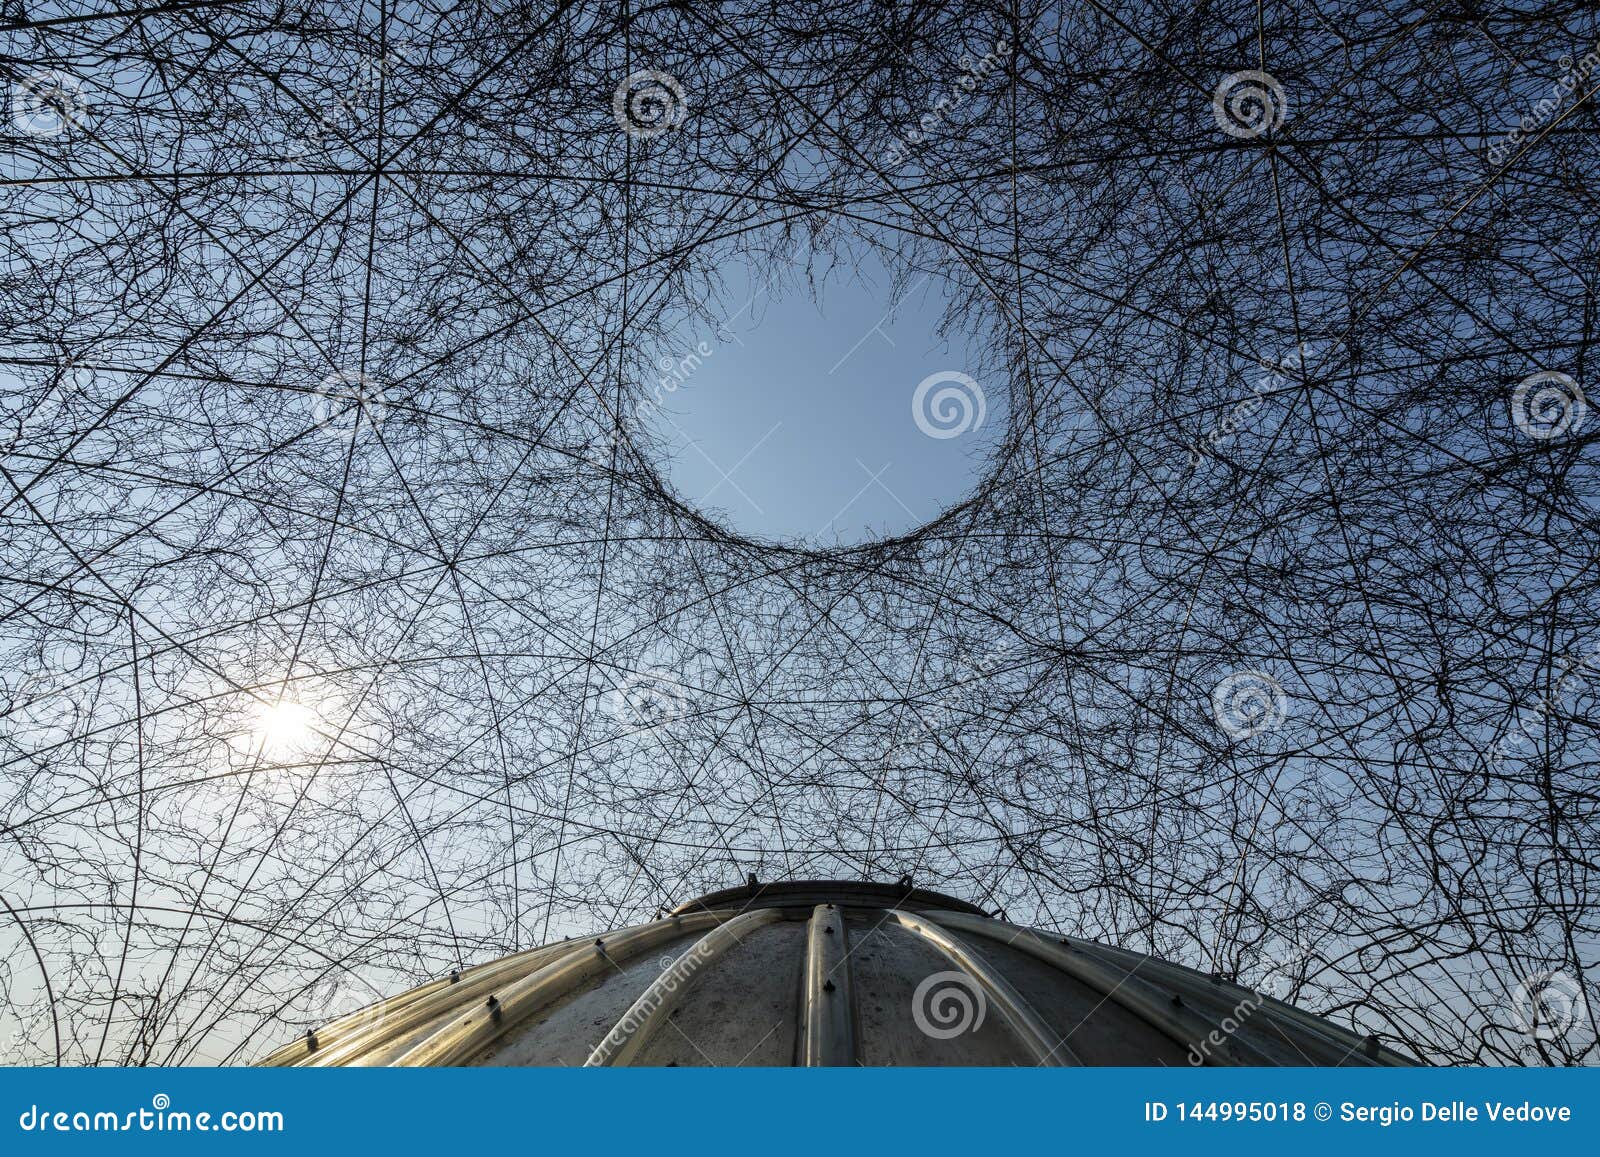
<point>663,996</point>
<point>831,973</point>
<point>1047,1046</point>
<point>828,1036</point>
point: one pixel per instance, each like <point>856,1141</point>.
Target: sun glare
<point>284,728</point>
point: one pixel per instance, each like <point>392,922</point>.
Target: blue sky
<point>806,407</point>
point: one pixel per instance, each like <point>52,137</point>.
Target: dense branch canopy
<point>349,631</point>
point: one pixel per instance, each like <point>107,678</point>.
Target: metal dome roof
<point>830,973</point>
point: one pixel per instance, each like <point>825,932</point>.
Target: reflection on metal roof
<point>831,973</point>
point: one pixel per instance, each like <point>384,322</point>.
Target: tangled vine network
<point>351,631</point>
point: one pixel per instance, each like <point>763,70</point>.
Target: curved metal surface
<point>1343,1047</point>
<point>1164,1010</point>
<point>657,1002</point>
<point>809,893</point>
<point>829,973</point>
<point>1047,1046</point>
<point>828,1033</point>
<point>397,1018</point>
<point>363,1021</point>
<point>456,1041</point>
